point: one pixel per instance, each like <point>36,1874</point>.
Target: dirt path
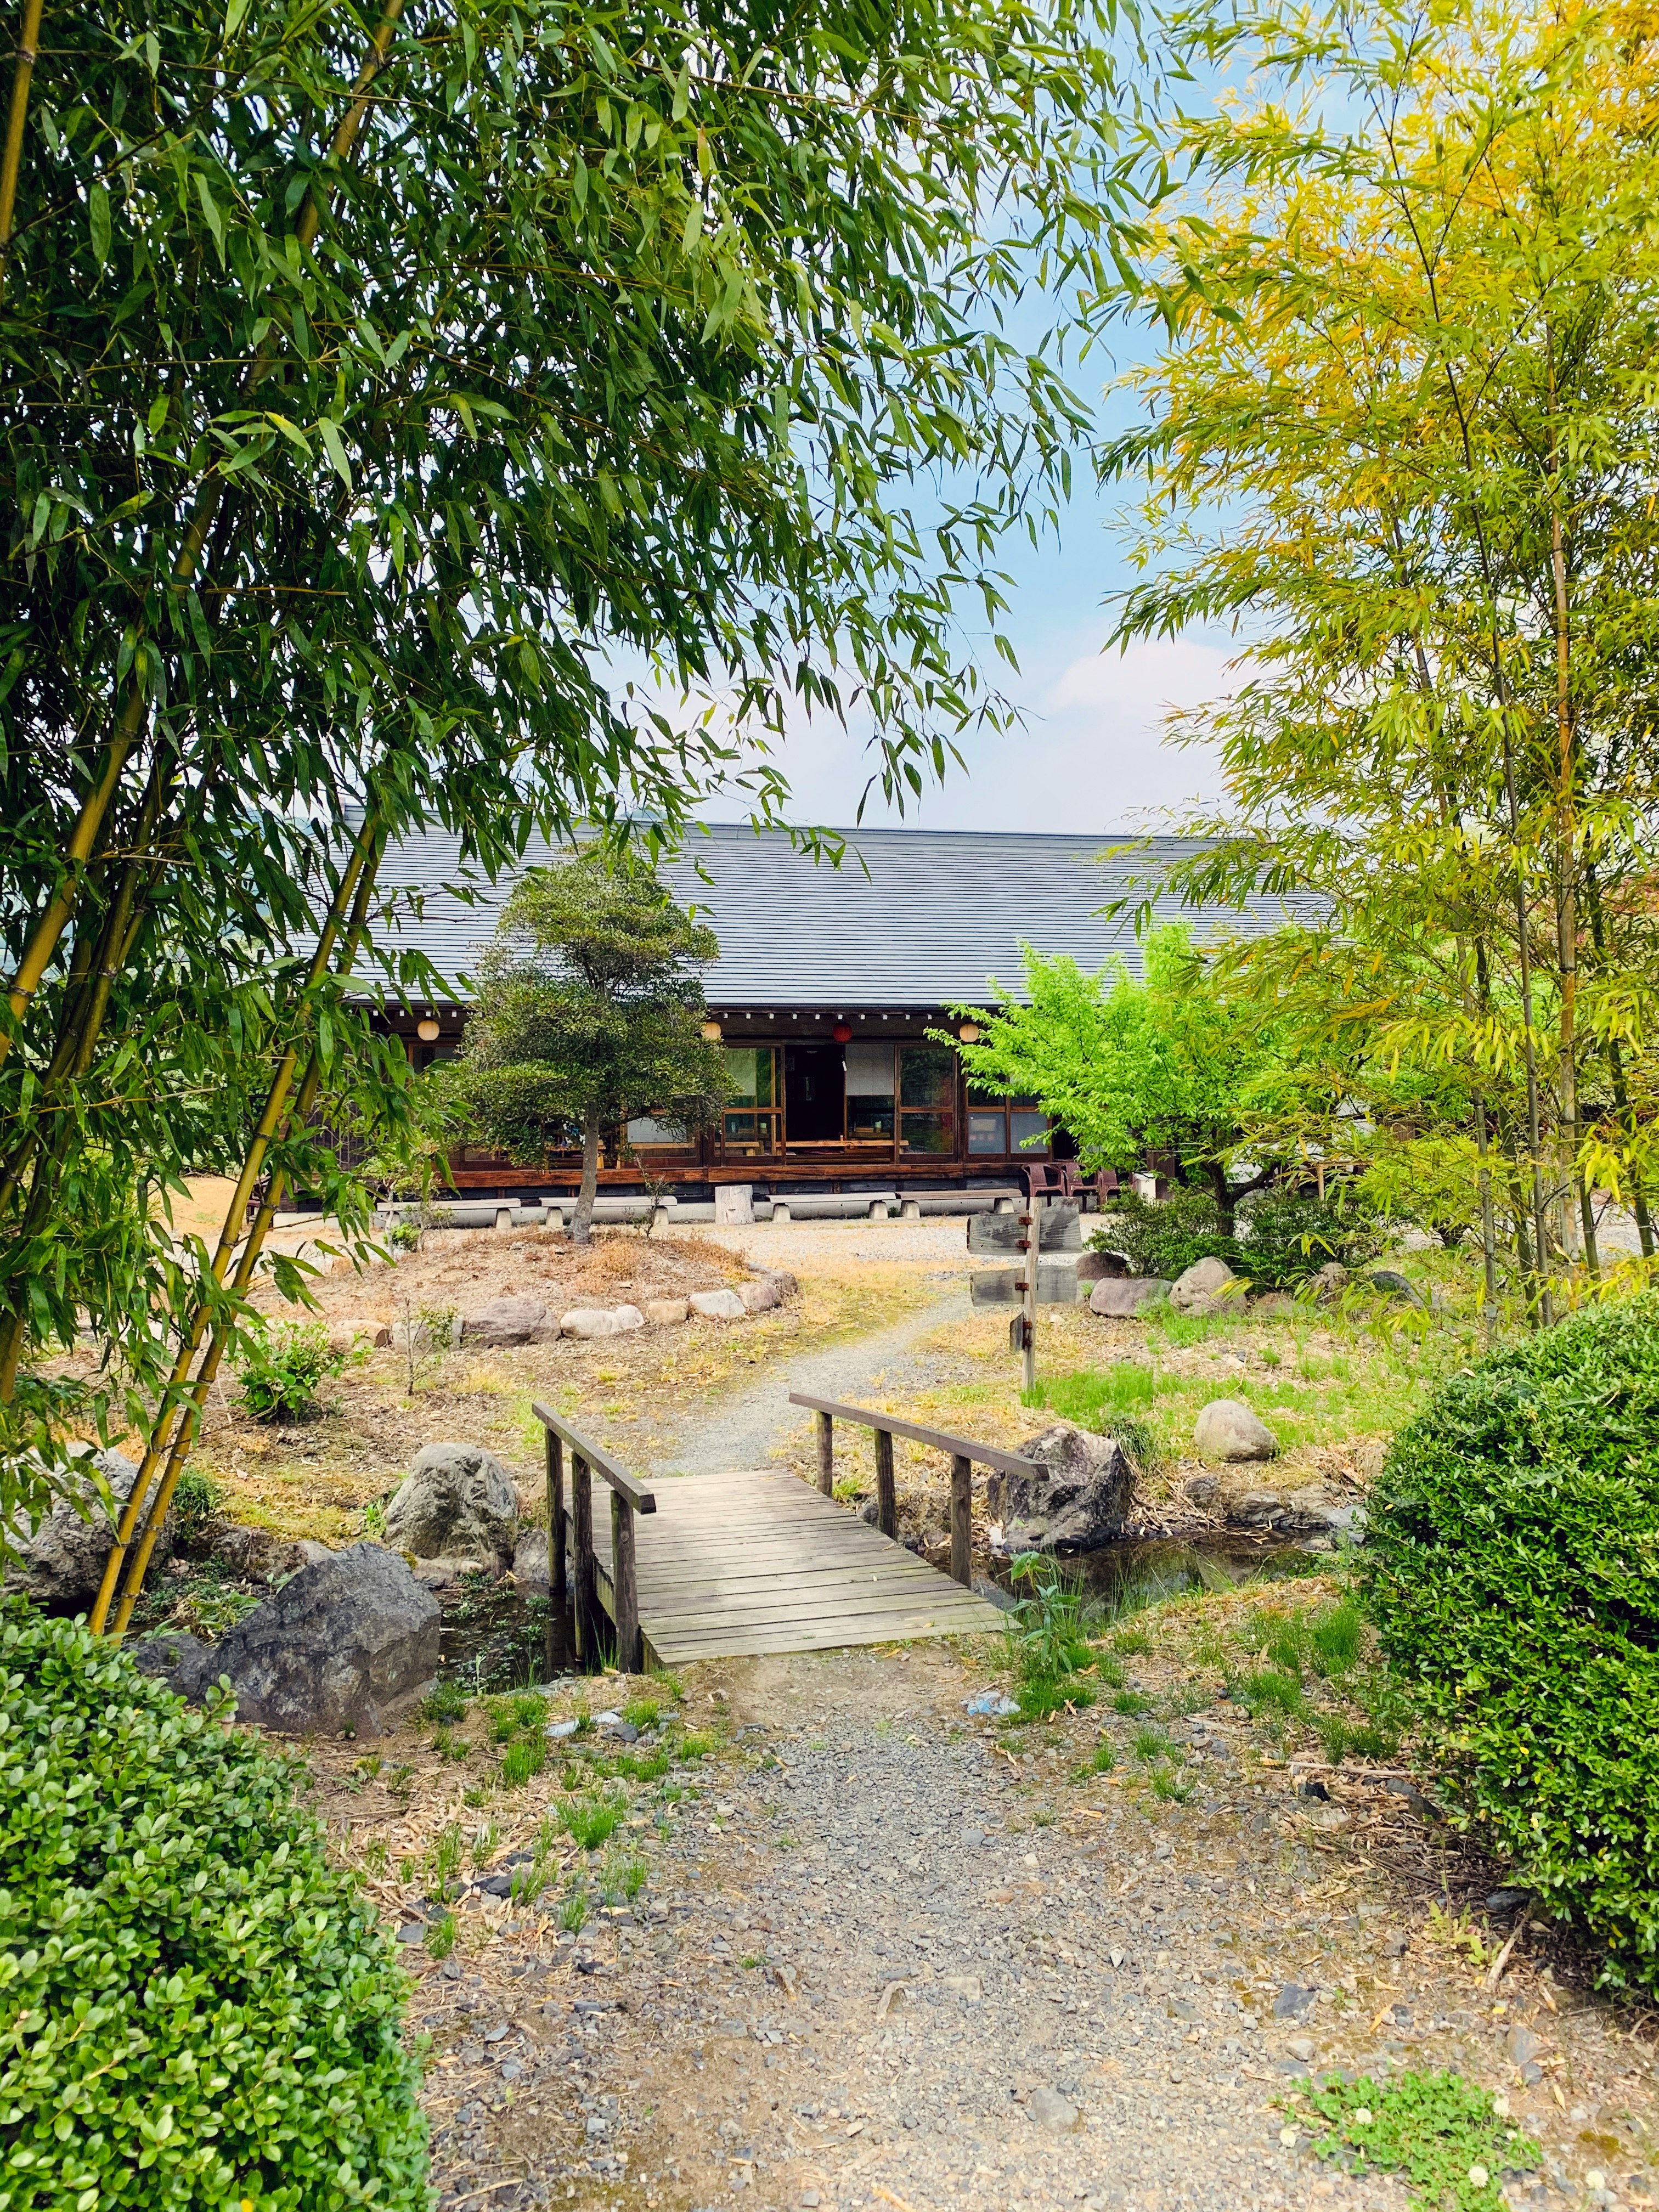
<point>889,1955</point>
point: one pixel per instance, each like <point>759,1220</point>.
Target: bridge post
<point>625,1584</point>
<point>886,1495</point>
<point>558,1594</point>
<point>962,1520</point>
<point>826,1453</point>
<point>587,1597</point>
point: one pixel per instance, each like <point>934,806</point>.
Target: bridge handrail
<point>964,1455</point>
<point>629,1496</point>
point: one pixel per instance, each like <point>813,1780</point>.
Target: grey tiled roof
<point>912,918</point>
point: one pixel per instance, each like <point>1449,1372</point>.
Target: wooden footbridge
<point>727,1565</point>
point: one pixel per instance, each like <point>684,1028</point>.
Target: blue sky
<point>1090,756</point>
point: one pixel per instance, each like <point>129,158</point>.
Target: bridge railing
<point>964,1453</point>
<point>627,1498</point>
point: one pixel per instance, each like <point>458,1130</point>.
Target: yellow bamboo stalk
<point>135,714</point>
<point>353,883</point>
<point>28,48</point>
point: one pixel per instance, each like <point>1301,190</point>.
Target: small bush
<point>202,2010</point>
<point>1511,1569</point>
<point>197,1498</point>
<point>281,1378</point>
<point>1278,1238</point>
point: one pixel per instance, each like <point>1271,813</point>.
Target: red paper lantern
<point>842,1032</point>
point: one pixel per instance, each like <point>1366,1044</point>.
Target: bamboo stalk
<point>28,48</point>
<point>355,881</point>
<point>253,1247</point>
<point>135,714</point>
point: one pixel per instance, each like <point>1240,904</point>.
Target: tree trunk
<point>581,1222</point>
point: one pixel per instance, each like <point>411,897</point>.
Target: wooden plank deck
<point>733,1565</point>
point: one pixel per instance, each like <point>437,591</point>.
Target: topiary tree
<point>590,1010</point>
<point>195,2010</point>
<point>1510,1568</point>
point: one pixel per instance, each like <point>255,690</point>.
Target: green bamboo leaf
<point>330,433</point>
<point>98,223</point>
<point>216,221</point>
<point>693,230</point>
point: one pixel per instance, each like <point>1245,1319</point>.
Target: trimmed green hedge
<point>1512,1567</point>
<point>195,2010</point>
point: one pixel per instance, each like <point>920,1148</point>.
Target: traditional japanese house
<point>831,986</point>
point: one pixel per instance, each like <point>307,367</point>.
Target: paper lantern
<point>711,1032</point>
<point>428,1031</point>
<point>842,1032</point>
<point>969,1032</point>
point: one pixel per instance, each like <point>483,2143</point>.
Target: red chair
<point>1045,1179</point>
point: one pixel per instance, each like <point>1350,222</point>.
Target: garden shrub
<point>1512,1569</point>
<point>195,2010</point>
<point>1280,1235</point>
<point>280,1378</point>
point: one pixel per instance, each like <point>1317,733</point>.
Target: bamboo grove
<point>1400,436</point>
<point>370,382</point>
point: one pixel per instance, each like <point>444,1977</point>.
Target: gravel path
<point>886,1957</point>
<point>750,1428</point>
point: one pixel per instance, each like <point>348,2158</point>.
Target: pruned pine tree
<point>589,1013</point>
<point>1400,436</point>
<point>370,380</point>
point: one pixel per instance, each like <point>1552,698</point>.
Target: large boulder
<point>510,1321</point>
<point>760,1296</point>
<point>1226,1429</point>
<point>1202,1287</point>
<point>717,1305</point>
<point>1101,1265</point>
<point>1125,1297</point>
<point>349,1643</point>
<point>61,1564</point>
<point>1081,1497</point>
<point>456,1499</point>
<point>184,1662</point>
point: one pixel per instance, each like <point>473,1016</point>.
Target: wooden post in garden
<point>624,1584</point>
<point>962,1521</point>
<point>581,1530</point>
<point>1028,1302</point>
<point>826,1454</point>
<point>557,1592</point>
<point>886,1493</point>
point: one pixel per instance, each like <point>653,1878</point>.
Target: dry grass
<point>635,1394</point>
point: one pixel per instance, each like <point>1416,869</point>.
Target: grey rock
<point>761,1296</point>
<point>588,1323</point>
<point>446,1573</point>
<point>1203,1489</point>
<point>1521,2044</point>
<point>1202,1287</point>
<point>1293,2001</point>
<point>457,1499</point>
<point>1227,1429</point>
<point>1505,1900</point>
<point>717,1305</point>
<point>61,1564</point>
<point>529,1562</point>
<point>1123,1298</point>
<point>346,1644</point>
<point>184,1662</point>
<point>255,1554</point>
<point>1082,1497</point>
<point>1396,1286</point>
<point>1329,1282</point>
<point>509,1321</point>
<point>1300,2047</point>
<point>1101,1266</point>
<point>307,1552</point>
<point>1050,2110</point>
<point>1272,1305</point>
<point>666,1313</point>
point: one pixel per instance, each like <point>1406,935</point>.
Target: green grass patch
<point>591,1821</point>
<point>524,1756</point>
<point>1438,2131</point>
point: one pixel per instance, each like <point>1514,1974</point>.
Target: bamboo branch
<point>135,714</point>
<point>355,879</point>
<point>253,1247</point>
<point>29,46</point>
